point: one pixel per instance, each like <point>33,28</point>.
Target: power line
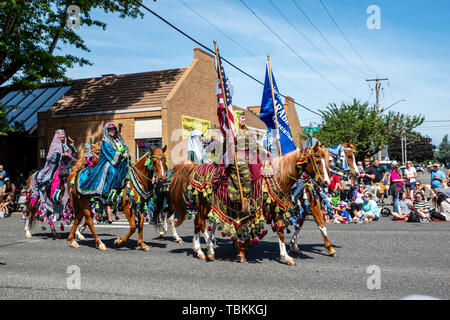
<point>242,47</point>
<point>213,52</point>
<point>308,40</point>
<point>328,41</point>
<point>295,52</point>
<point>348,41</point>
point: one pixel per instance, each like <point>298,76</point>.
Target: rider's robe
<point>48,180</point>
<point>110,172</point>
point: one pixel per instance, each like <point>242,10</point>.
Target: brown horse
<point>32,209</point>
<point>287,170</point>
<point>136,192</point>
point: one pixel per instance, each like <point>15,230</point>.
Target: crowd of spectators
<point>12,193</point>
<point>363,199</point>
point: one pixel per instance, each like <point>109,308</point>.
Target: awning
<point>147,128</point>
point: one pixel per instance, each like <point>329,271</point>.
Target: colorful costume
<point>108,176</point>
<point>195,150</point>
<point>49,184</point>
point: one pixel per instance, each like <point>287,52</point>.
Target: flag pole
<point>229,126</point>
<point>274,104</point>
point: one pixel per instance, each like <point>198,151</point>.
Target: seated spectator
<point>422,207</point>
<point>358,199</point>
<point>7,206</point>
<point>445,189</point>
<point>341,214</point>
<point>8,189</point>
<point>3,208</point>
<point>22,202</point>
<point>443,203</point>
<point>404,207</point>
<point>370,209</point>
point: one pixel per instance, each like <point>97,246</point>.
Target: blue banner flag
<point>267,115</point>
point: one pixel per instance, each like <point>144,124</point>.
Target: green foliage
<point>362,124</point>
<point>31,31</point>
<point>419,151</point>
<point>443,153</point>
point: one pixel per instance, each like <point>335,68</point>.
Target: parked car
<point>419,168</point>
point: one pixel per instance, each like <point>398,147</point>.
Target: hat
<point>394,163</point>
<point>111,125</point>
<point>7,179</point>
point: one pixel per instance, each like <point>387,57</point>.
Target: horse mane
<point>285,169</point>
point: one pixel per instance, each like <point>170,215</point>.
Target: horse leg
<point>74,230</point>
<point>198,223</point>
<point>130,218</point>
<point>318,217</point>
<point>141,244</point>
<point>85,210</point>
<point>283,253</point>
<point>27,225</point>
<point>293,243</point>
<point>241,251</point>
<point>213,231</point>
<point>171,221</point>
<point>164,227</point>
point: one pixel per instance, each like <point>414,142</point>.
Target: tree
<point>31,31</point>
<point>443,153</point>
<point>362,124</point>
<point>418,151</point>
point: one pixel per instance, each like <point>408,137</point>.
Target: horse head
<point>159,162</point>
<point>318,167</point>
<point>349,151</point>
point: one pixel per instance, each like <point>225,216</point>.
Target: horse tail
<point>178,185</point>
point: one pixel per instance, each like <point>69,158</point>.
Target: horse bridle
<point>306,156</point>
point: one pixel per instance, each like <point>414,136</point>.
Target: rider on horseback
<point>50,181</point>
<point>108,176</point>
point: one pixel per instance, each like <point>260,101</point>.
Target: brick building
<point>150,108</point>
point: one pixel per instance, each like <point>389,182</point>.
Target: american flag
<point>221,107</point>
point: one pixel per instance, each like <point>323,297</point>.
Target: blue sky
<point>412,49</point>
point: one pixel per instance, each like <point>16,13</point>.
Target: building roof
<point>114,92</point>
<point>106,93</point>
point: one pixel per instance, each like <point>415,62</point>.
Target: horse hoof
<point>333,254</point>
<point>74,244</point>
<point>118,242</point>
<point>102,247</point>
<point>290,262</point>
<point>179,241</point>
<point>201,256</point>
<point>211,257</point>
<point>241,259</point>
<point>28,236</point>
<point>145,248</point>
<point>81,238</point>
<point>160,235</point>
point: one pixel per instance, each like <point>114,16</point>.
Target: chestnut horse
<point>137,192</point>
<point>287,170</point>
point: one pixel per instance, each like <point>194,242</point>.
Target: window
<point>142,145</point>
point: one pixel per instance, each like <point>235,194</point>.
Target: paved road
<point>413,258</point>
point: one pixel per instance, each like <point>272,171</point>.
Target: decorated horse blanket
<point>266,196</point>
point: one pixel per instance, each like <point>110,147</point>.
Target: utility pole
<point>377,89</point>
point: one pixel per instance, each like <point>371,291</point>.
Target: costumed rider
<point>108,177</point>
<point>250,158</point>
<point>50,182</point>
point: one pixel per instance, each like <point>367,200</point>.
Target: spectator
<point>358,199</point>
<point>8,206</point>
<point>437,177</point>
<point>8,189</point>
<point>418,188</point>
<point>395,182</point>
<point>368,175</point>
<point>3,208</point>
<point>445,189</point>
<point>378,181</point>
<point>370,211</point>
<point>23,203</point>
<point>410,179</point>
<point>20,181</point>
<point>341,214</point>
<point>443,203</point>
<point>347,189</point>
<point>405,206</point>
<point>3,176</point>
<point>422,207</point>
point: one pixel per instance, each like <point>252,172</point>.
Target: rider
<point>105,179</point>
<point>195,150</point>
<point>48,180</point>
<point>248,155</point>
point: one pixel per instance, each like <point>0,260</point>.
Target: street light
<point>394,104</point>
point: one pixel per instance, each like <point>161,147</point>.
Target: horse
<point>34,198</point>
<point>288,170</point>
<point>342,157</point>
<point>310,199</point>
<point>136,192</point>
